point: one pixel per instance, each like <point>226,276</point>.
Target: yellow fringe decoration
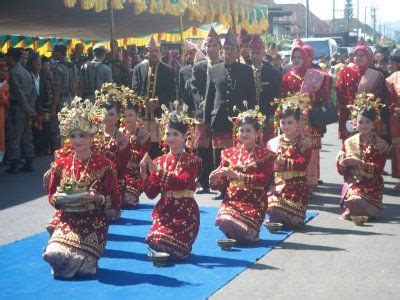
<point>156,7</point>
<point>175,9</point>
<point>139,6</point>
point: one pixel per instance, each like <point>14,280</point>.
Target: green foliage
<point>281,41</point>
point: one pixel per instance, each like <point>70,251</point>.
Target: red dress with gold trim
<point>363,185</point>
<point>242,212</point>
<point>84,230</point>
<point>139,144</point>
<point>393,102</point>
<point>293,83</point>
<point>176,216</point>
<point>108,146</point>
<point>289,191</point>
<point>347,87</point>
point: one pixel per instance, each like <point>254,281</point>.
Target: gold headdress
<point>252,113</point>
<point>365,102</point>
<point>295,101</point>
<point>182,115</point>
<point>80,115</point>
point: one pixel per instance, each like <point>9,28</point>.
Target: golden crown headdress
<point>80,115</point>
<point>365,102</point>
<point>121,94</point>
<point>181,114</point>
<point>253,113</point>
<point>296,101</point>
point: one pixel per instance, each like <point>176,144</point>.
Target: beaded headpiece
<point>295,101</point>
<point>365,102</point>
<point>251,113</point>
<point>121,94</point>
<point>80,115</point>
<point>182,115</point>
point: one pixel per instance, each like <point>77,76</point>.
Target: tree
<point>348,9</point>
<point>348,12</point>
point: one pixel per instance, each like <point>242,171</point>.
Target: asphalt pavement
<point>327,259</point>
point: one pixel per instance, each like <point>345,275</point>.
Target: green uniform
<point>22,97</point>
<point>65,74</point>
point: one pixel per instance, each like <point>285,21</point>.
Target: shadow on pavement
<point>23,187</point>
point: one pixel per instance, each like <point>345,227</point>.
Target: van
<point>322,46</point>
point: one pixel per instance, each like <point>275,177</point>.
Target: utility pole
<point>333,16</point>
<point>365,23</point>
<point>307,15</point>
<point>373,16</point>
<point>358,19</point>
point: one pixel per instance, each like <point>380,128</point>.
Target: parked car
<point>322,46</point>
<point>344,51</point>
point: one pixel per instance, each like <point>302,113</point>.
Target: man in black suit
<point>185,73</point>
<point>228,84</point>
<point>154,81</point>
<point>212,46</point>
<point>244,39</point>
<point>267,81</point>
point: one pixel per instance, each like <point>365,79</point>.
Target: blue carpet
<point>125,270</point>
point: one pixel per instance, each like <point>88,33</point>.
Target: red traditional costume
<point>353,81</point>
<point>393,102</point>
<point>243,211</point>
<point>289,191</point>
<point>110,145</point>
<point>363,185</point>
<point>318,85</point>
<point>176,217</point>
<point>139,144</point>
<point>78,233</point>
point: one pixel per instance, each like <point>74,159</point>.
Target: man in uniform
<point>22,104</point>
<point>212,46</point>
<point>244,39</point>
<point>94,74</point>
<point>185,73</point>
<point>229,84</point>
<point>267,81</point>
<point>63,87</point>
<point>154,81</point>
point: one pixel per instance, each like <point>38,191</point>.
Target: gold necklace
<point>176,166</point>
<point>73,177</point>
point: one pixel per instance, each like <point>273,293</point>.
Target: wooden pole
<point>233,15</point>
<point>181,33</point>
<point>112,27</point>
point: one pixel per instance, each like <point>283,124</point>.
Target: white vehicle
<point>322,46</point>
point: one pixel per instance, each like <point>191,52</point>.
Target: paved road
<point>327,259</point>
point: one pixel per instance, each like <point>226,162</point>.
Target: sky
<point>387,10</point>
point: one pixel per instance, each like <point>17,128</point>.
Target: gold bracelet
<point>103,200</point>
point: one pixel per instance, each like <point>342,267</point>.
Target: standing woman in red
<point>139,145</point>
<point>361,163</point>
<point>393,101</point>
<point>244,171</point>
<point>293,80</point>
<point>307,80</point>
<point>83,188</point>
<point>110,141</point>
<point>176,216</point>
<point>289,191</point>
<point>355,80</point>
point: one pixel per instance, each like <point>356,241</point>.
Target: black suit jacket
<point>165,86</point>
<point>198,85</point>
<point>220,100</point>
<point>184,75</point>
<point>270,82</point>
